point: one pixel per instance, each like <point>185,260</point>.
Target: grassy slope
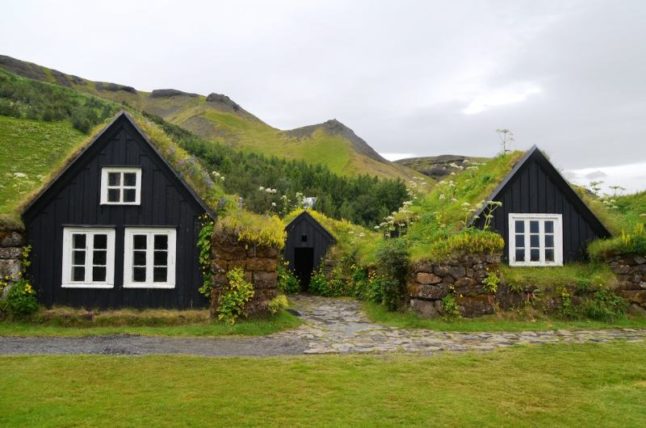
<point>32,148</point>
<point>567,385</point>
<point>237,128</point>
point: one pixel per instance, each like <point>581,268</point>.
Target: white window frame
<point>121,170</point>
<point>558,239</point>
<point>150,232</point>
<point>68,257</point>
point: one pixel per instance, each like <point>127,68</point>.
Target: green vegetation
<point>584,276</point>
<point>29,151</point>
<point>267,230</point>
<point>30,99</point>
<point>447,210</point>
<point>149,322</point>
<point>273,185</point>
<point>234,296</point>
<point>521,320</point>
<point>632,242</point>
<point>595,384</point>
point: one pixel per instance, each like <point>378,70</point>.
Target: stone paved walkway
<point>339,326</point>
<point>330,326</point>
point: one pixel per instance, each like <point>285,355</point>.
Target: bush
<point>288,283</point>
<point>21,299</point>
<point>633,242</point>
<point>450,306</point>
<point>277,304</point>
<point>604,306</point>
<point>235,295</point>
<point>318,283</point>
<point>392,267</point>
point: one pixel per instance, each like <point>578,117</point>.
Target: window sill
<point>88,286</point>
<point>150,286</point>
<point>535,264</point>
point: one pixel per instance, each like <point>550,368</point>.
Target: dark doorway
<point>303,265</point>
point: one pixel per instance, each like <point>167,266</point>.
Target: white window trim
<point>558,239</point>
<point>104,185</point>
<point>127,257</point>
<point>67,257</point>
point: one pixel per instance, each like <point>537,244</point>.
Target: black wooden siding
<point>317,238</point>
<point>74,200</point>
<point>537,188</point>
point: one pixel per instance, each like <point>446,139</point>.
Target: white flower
<point>273,204</point>
<point>261,188</point>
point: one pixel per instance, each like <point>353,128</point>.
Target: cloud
<point>500,97</point>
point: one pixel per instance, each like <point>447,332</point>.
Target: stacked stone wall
<point>259,264</point>
<point>11,243</point>
<point>631,275</point>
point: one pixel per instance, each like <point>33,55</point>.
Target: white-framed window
<point>120,186</point>
<point>88,257</point>
<point>535,240</point>
<point>149,258</point>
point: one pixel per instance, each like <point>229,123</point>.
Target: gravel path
<point>331,326</point>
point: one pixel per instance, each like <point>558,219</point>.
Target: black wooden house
<point>116,228</point>
<point>543,220</point>
<point>306,245</point>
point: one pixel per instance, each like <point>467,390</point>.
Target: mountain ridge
<point>217,117</point>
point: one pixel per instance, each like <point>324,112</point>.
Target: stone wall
<point>11,242</point>
<point>631,275</point>
<point>463,277</point>
<point>259,264</point>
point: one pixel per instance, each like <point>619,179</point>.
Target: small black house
<point>117,227</point>
<point>543,220</point>
<point>307,243</point>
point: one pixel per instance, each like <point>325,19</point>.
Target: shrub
<point>468,241</point>
<point>633,242</point>
<point>450,306</point>
<point>392,266</point>
<point>604,306</point>
<point>235,295</point>
<point>21,299</point>
<point>277,304</point>
<point>287,282</point>
<point>491,282</point>
<point>319,283</point>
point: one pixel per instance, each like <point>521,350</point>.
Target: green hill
<point>438,167</point>
<point>42,124</point>
<point>218,118</point>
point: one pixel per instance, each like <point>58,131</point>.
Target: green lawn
<point>551,385</point>
<point>261,327</point>
<point>504,322</point>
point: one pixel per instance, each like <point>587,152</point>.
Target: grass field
<point>149,327</point>
<point>501,322</point>
<point>551,385</point>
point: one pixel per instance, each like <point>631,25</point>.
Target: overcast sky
<point>412,77</point>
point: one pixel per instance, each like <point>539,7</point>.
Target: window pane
<point>100,241</point>
<point>78,240</point>
<point>139,274</point>
<point>533,226</point>
<point>533,241</point>
<point>78,273</point>
<point>520,226</point>
<point>129,195</point>
<point>113,195</point>
<point>114,179</point>
<point>129,179</point>
<point>520,255</point>
<point>78,257</point>
<point>549,226</point>
<point>549,241</point>
<point>161,242</point>
<point>139,258</point>
<point>99,258</point>
<point>549,255</point>
<point>140,242</point>
<point>534,255</point>
<point>98,274</point>
<point>161,258</point>
<point>159,274</point>
<point>520,241</point>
